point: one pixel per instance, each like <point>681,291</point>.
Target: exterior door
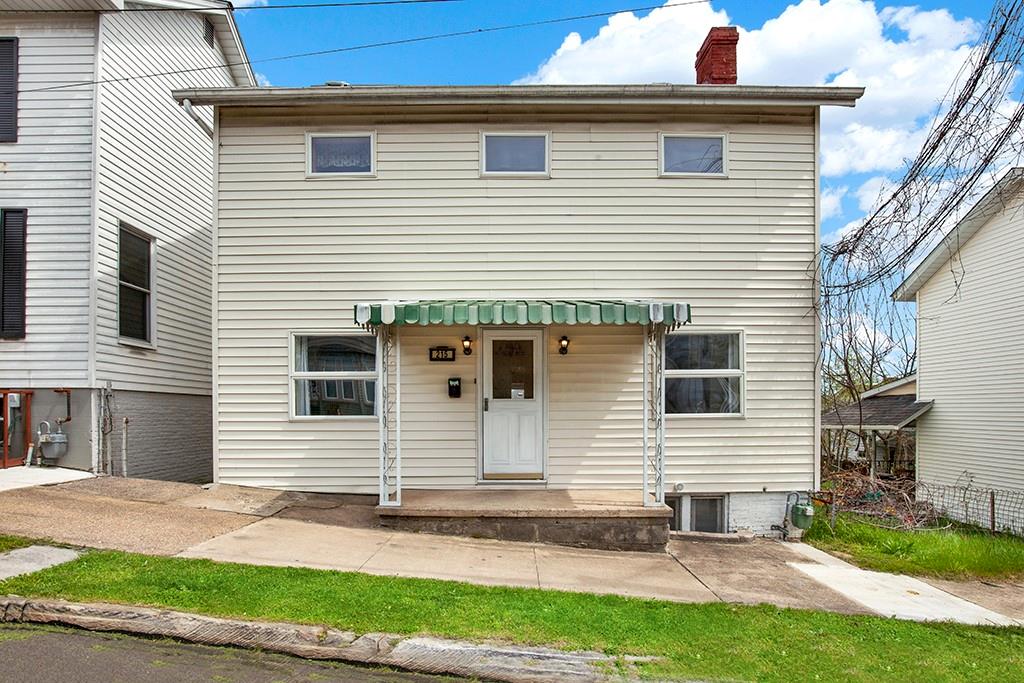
<point>513,404</point>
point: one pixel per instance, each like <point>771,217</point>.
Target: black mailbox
<point>454,387</point>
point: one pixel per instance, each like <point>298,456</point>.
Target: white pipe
<point>187,106</point>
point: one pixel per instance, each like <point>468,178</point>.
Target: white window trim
<point>741,373</point>
<point>293,375</point>
<point>668,174</point>
<point>372,134</point>
<point>146,344</point>
<point>546,173</point>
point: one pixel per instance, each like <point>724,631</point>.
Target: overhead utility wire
<point>366,46</point>
<point>306,5</point>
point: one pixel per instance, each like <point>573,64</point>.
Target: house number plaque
<point>442,353</point>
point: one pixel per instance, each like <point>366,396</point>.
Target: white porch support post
<point>389,415</point>
<point>654,414</point>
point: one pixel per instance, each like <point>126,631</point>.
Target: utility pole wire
<point>367,46</point>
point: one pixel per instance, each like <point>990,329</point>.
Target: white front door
<point>513,404</point>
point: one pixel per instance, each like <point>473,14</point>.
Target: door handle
<point>487,403</point>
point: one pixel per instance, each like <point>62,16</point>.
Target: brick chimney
<point>716,58</point>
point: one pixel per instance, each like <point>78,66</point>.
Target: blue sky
<point>905,55</point>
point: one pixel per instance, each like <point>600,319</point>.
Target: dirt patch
<point>143,490</point>
<point>1003,596</point>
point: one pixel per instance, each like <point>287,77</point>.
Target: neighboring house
<point>522,287</point>
<point>970,321</point>
<point>877,430</point>
<point>105,201</point>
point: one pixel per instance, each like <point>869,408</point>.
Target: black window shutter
<point>12,273</point>
<point>8,89</point>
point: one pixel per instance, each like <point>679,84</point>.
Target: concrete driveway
<point>258,526</point>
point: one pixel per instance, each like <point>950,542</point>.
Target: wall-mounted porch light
<point>467,345</point>
<point>563,345</point>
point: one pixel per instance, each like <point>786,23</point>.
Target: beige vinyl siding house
<point>970,311</point>
<point>299,255</point>
<point>95,157</point>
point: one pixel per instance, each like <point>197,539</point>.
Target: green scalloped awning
<point>523,312</point>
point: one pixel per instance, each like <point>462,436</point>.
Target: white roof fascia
<point>881,388</point>
<point>986,207</point>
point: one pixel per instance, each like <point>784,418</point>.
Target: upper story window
<point>693,155</point>
<point>704,373</point>
<point>12,273</point>
<point>515,153</point>
<point>8,89</point>
<point>341,154</point>
<point>135,286</point>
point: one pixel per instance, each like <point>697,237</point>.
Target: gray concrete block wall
<point>170,436</point>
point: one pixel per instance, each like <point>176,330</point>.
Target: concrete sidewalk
<point>256,526</point>
<point>24,477</point>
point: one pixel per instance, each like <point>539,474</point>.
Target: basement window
<point>333,375</point>
<point>707,514</point>
<point>692,155</point>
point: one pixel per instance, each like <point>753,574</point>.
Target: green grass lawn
<point>711,642</point>
<point>960,552</point>
<point>12,542</point>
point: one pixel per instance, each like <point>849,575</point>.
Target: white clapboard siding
<point>297,253</point>
<point>971,360</point>
<point>155,166</point>
<point>48,171</point>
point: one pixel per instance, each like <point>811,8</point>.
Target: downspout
<point>186,104</point>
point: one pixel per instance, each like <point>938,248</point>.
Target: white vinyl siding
<point>298,255</point>
<point>48,171</point>
<point>155,173</point>
<point>971,361</point>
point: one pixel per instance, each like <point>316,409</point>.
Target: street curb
<point>493,662</point>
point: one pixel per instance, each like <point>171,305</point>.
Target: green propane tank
<point>803,515</point>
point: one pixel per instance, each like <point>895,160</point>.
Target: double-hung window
<point>333,375</point>
<point>693,155</point>
<point>704,373</point>
<point>135,286</point>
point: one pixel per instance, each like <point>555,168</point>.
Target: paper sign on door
<point>518,390</point>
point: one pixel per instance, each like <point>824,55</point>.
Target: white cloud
<point>870,192</point>
<point>832,202</point>
<point>905,57</point>
<point>241,4</point>
<point>262,80</point>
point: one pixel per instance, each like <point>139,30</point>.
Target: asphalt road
<point>33,654</point>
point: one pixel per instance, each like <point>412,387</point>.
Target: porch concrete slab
<point>478,561</point>
<point>644,575</point>
<point>290,543</point>
<point>23,476</point>
<point>758,572</point>
<point>32,559</point>
<point>355,516</point>
<point>65,516</point>
<point>524,503</point>
<point>903,597</point>
<point>1003,596</point>
<point>142,490</point>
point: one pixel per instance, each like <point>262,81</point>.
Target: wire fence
<point>909,504</point>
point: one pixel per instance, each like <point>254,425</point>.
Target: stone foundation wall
<point>646,534</point>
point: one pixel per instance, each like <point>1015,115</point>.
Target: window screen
<point>707,514</point>
<point>692,155</point>
<point>515,154</point>
<point>134,285</point>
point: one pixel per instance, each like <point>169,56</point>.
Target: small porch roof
<point>878,413</point>
<point>523,312</point>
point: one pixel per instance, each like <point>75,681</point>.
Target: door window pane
<point>512,369</point>
<point>348,154</point>
<point>697,395</point>
<point>356,353</point>
<point>692,155</point>
<point>515,154</point>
